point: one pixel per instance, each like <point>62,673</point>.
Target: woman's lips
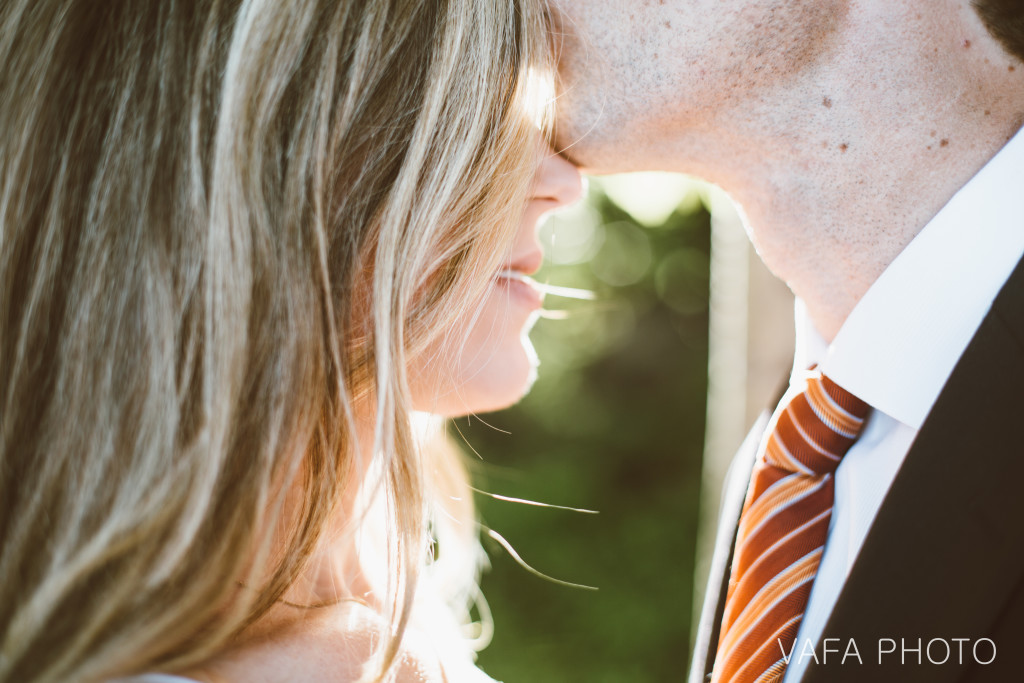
<point>526,264</point>
<point>522,287</point>
<point>533,292</point>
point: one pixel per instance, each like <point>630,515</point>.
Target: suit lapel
<point>944,550</point>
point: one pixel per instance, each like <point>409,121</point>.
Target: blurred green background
<point>615,423</point>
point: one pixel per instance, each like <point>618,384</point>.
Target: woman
<point>240,242</point>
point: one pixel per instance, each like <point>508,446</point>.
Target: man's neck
<point>865,149</point>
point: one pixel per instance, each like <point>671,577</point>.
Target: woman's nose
<point>557,179</point>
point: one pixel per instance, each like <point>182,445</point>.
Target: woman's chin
<point>498,385</point>
<point>499,397</point>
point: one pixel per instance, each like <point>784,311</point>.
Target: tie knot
<point>816,428</point>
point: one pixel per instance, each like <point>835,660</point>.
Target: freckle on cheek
<point>944,143</point>
<point>843,147</point>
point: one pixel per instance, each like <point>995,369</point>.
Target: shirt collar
<point>901,342</point>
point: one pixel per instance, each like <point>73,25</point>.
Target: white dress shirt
<point>899,346</point>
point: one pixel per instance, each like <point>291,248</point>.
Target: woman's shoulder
<point>154,678</point>
<point>322,648</point>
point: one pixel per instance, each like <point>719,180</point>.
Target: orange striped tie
<point>782,530</point>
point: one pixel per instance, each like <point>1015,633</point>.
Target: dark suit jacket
<point>944,558</point>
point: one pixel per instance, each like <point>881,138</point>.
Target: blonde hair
<point>223,224</point>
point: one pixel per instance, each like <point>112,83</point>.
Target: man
<point>873,147</point>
